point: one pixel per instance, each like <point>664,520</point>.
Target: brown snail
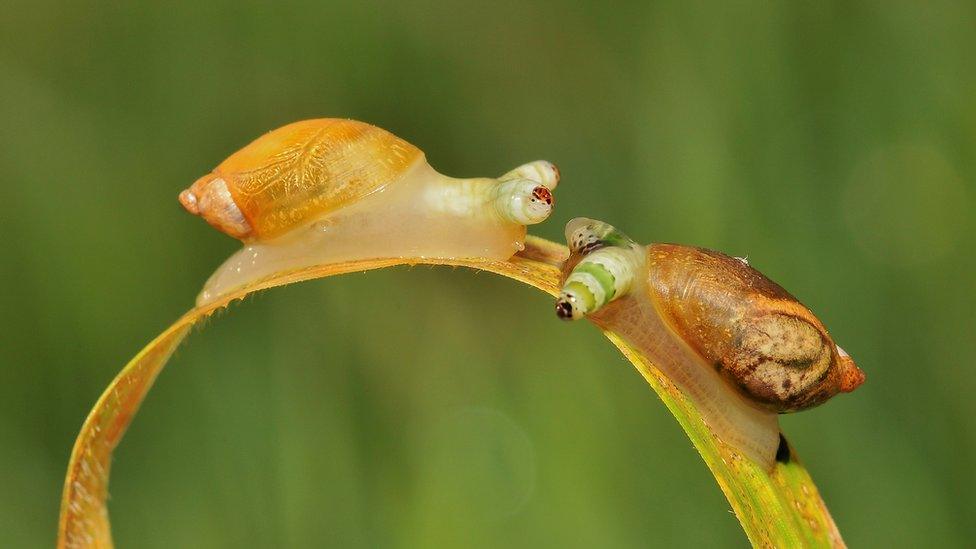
<point>730,338</point>
<point>339,190</point>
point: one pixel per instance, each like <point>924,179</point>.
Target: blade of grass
<point>777,508</point>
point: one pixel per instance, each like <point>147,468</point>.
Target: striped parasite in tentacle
<point>606,271</point>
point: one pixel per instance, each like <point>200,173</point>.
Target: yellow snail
<point>339,190</point>
<point>732,340</point>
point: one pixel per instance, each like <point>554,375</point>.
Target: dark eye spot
<point>543,194</point>
<point>564,310</point>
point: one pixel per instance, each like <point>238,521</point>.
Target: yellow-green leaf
<point>776,508</point>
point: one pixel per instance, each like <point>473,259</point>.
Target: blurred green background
<point>833,143</point>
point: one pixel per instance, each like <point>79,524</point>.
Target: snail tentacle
<point>599,278</point>
<point>543,171</point>
<point>607,270</point>
<point>522,201</point>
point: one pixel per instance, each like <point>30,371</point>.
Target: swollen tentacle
<point>598,279</point>
<point>523,201</point>
<point>609,264</point>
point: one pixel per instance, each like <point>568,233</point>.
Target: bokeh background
<point>833,143</point>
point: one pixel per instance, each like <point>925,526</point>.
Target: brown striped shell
<point>297,173</point>
<point>755,334</point>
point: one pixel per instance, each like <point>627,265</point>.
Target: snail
<point>732,340</point>
<point>326,190</point>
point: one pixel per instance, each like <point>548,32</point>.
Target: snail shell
<point>757,335</point>
<point>736,343</point>
<point>297,173</point>
<point>331,190</point>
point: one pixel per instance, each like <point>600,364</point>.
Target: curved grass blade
<point>778,508</point>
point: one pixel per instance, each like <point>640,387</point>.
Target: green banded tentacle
<point>601,275</point>
<point>606,271</point>
<point>582,294</point>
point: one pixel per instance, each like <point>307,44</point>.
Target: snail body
<point>326,190</point>
<point>731,339</point>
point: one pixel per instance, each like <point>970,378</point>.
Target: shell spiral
<point>296,173</point>
<point>755,334</point>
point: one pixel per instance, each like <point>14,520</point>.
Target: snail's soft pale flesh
<point>746,428</point>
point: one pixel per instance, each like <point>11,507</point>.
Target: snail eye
<point>564,310</point>
<point>542,194</point>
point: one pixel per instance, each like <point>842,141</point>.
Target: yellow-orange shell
<point>751,330</point>
<point>297,173</point>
